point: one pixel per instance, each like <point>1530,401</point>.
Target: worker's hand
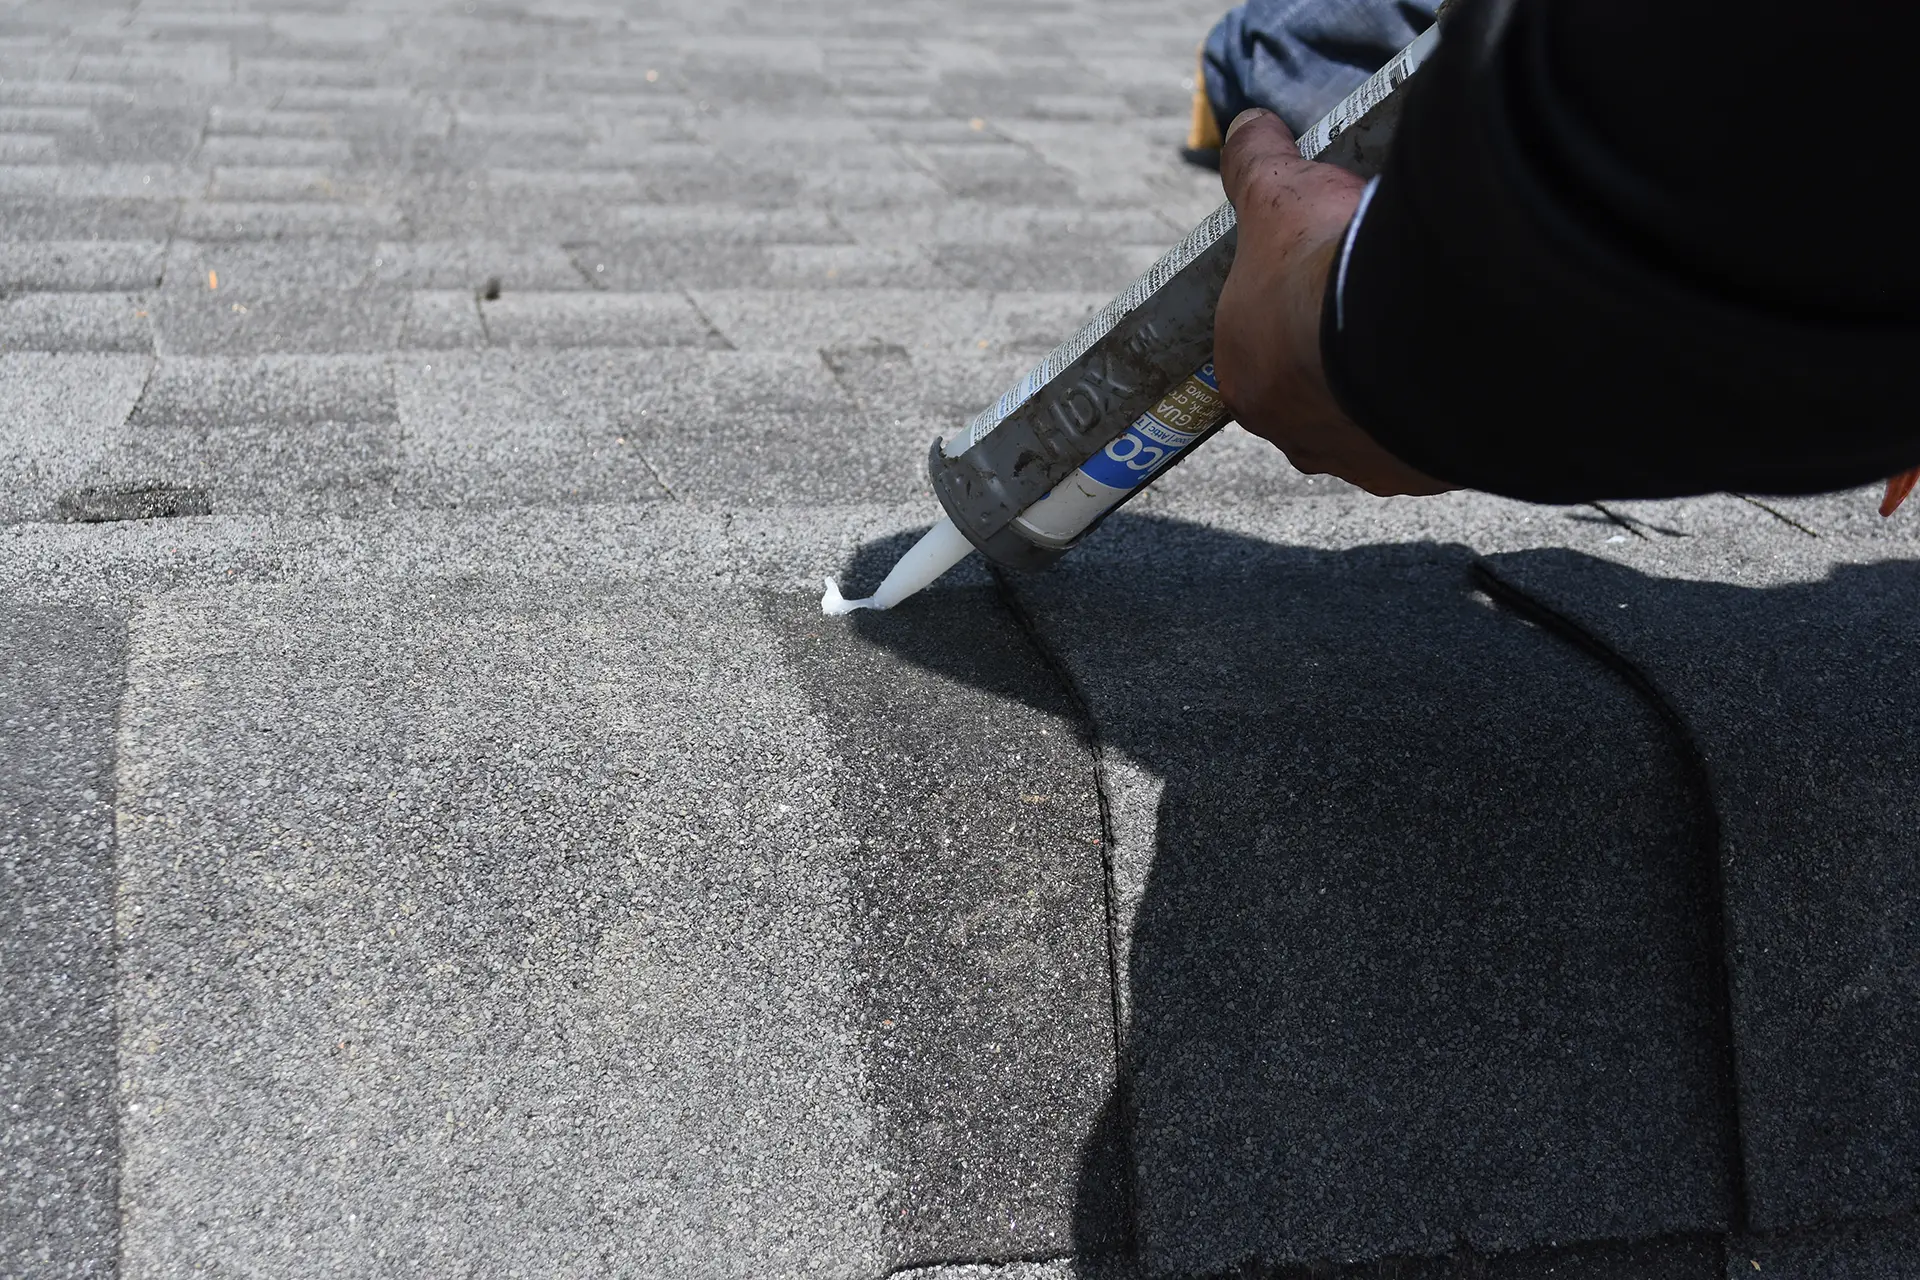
<point>1266,333</point>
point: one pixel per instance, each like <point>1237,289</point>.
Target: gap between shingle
<point>1698,782</point>
<point>1090,737</point>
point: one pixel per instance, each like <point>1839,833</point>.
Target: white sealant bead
<point>833,604</point>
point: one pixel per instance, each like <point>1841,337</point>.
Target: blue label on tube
<point>1170,426</point>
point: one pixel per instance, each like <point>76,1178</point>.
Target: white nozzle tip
<point>833,604</point>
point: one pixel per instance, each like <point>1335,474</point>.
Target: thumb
<point>1258,150</point>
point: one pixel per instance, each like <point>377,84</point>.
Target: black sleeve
<point>1643,248</point>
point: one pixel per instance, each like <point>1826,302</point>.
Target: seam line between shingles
<point>658,479</point>
<point>726,343</point>
<point>140,396</point>
<point>1090,736</point>
<point>1699,781</point>
<point>1618,519</point>
<point>580,269</point>
<point>1781,516</point>
<point>848,386</point>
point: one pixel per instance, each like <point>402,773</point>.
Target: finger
<point>1258,148</point>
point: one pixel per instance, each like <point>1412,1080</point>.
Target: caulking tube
<point>1354,135</point>
<point>987,481</point>
<point>1175,424</point>
<point>1178,421</point>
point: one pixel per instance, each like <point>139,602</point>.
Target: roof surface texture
<point>439,833</point>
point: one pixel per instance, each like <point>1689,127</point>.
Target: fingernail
<point>1249,114</point>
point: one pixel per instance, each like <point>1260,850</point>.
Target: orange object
<point>1203,134</point>
<point>213,280</point>
<point>1897,490</point>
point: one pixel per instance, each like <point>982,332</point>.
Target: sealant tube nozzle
<point>938,550</point>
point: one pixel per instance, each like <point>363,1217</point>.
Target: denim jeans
<point>1297,58</point>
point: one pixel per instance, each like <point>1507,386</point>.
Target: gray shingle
<point>981,223</point>
<point>190,23</point>
<point>268,297</point>
<point>1002,173</point>
<point>75,322</point>
<point>59,415</point>
<point>69,266</point>
<point>1034,322</point>
<point>597,1009</point>
<point>582,319</point>
<point>31,218</point>
<point>264,391</point>
<point>205,64</point>
<point>44,119</point>
<point>277,433</point>
<point>26,148</point>
<point>1680,1258</point>
<point>252,220</point>
<point>1854,514</point>
<point>459,211</point>
<point>245,121</point>
<point>322,468</point>
<point>100,181</point>
<point>239,149</point>
<point>1422,941</point>
<point>332,98</point>
<point>1060,1270</point>
<point>615,425</point>
<point>669,262</point>
<point>323,264</point>
<point>264,320</point>
<point>154,133</point>
<point>770,319</point>
<point>1123,164</point>
<point>887,98</point>
<point>331,73</point>
<point>342,34</point>
<point>59,688</point>
<point>931,394</point>
<point>442,319</point>
<point>869,191</point>
<point>835,266</point>
<point>1865,1251</point>
<point>723,224</point>
<point>264,182</point>
<point>60,92</point>
<point>602,185</point>
<point>1791,661</point>
<point>1094,267</point>
<point>1673,1258</point>
<point>469,264</point>
<point>979,921</point>
<point>131,500</point>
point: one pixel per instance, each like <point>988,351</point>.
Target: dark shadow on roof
<point>1429,950</point>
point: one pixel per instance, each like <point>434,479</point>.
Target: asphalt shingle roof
<point>439,832</point>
